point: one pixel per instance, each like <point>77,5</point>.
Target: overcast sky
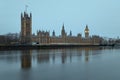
<point>101,16</point>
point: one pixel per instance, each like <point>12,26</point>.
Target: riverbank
<point>46,46</point>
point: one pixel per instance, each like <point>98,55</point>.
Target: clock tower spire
<point>86,32</point>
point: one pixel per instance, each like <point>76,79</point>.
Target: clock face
<point>86,31</point>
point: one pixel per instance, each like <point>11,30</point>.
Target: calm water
<point>60,64</point>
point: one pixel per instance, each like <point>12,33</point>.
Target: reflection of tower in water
<point>53,57</point>
<point>63,56</point>
<point>86,55</point>
<point>26,59</point>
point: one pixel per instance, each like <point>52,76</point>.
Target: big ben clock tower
<point>86,32</point>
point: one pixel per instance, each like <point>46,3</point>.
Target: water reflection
<point>87,55</point>
<point>54,56</point>
<point>43,57</point>
<point>64,64</point>
<point>26,59</point>
<point>65,55</point>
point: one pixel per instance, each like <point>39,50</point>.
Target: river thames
<point>61,64</point>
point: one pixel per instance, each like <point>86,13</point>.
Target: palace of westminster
<point>43,37</point>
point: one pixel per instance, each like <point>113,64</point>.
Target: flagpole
<point>26,6</point>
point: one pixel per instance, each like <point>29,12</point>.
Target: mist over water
<point>60,64</point>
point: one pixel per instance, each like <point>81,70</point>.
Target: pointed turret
<point>21,15</point>
<point>53,33</point>
<point>63,34</point>
<point>30,15</point>
<point>70,33</point>
<point>86,32</point>
<point>63,27</point>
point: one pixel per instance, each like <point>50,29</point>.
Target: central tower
<point>86,32</point>
<point>63,33</point>
<point>26,28</point>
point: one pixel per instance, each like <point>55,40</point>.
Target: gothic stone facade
<point>26,28</point>
<point>43,37</point>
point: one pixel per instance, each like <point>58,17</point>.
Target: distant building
<point>43,37</point>
<point>3,39</point>
<point>26,28</point>
<point>10,38</point>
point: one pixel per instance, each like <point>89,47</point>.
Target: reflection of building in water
<point>26,59</point>
<point>90,52</point>
<point>43,57</point>
<point>86,55</point>
<point>53,57</point>
<point>63,56</point>
<point>70,56</point>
